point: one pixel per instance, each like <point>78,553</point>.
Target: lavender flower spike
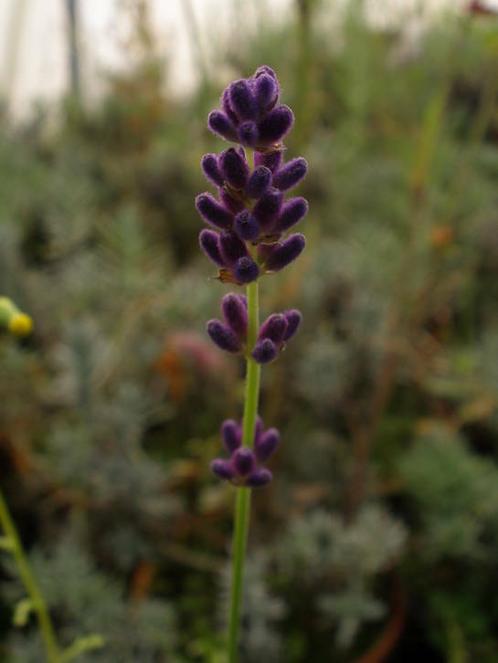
<point>250,220</point>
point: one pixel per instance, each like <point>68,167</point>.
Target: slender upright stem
<point>243,498</point>
<point>30,583</point>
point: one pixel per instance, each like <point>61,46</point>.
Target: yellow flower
<point>20,324</point>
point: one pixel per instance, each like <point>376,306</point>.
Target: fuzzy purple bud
<point>219,123</point>
<point>268,206</point>
<point>222,469</point>
<point>209,243</point>
<point>293,210</point>
<point>227,107</point>
<point>274,328</point>
<point>235,314</point>
<point>212,211</point>
<point>231,435</point>
<point>246,226</point>
<point>223,336</point>
<point>267,444</point>
<point>248,134</point>
<point>259,478</point>
<point>242,100</point>
<point>294,318</point>
<point>232,247</point>
<point>275,125</point>
<point>210,168</point>
<point>246,270</point>
<point>234,168</point>
<point>264,351</point>
<point>259,181</point>
<point>285,252</point>
<point>265,91</point>
<point>271,160</point>
<point>290,174</point>
<point>243,461</point>
<point>265,69</point>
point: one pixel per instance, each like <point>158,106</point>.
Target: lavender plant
<point>247,238</point>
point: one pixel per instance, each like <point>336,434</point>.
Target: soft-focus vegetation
<point>378,538</point>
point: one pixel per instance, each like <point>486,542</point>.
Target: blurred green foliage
<point>378,538</point>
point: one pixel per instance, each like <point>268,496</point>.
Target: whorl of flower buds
<point>250,113</point>
<point>245,466</point>
<point>230,334</point>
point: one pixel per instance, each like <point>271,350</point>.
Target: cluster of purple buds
<point>250,209</point>
<point>231,333</point>
<point>245,467</point>
<point>247,236</point>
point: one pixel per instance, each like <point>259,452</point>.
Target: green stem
<point>243,499</point>
<point>30,583</point>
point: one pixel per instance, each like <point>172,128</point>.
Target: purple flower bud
<point>275,125</point>
<point>231,435</point>
<point>259,181</point>
<point>265,69</point>
<point>212,211</point>
<point>265,91</point>
<point>268,206</point>
<point>271,160</point>
<point>223,336</point>
<point>246,226</point>
<point>234,168</point>
<point>222,468</point>
<point>285,252</point>
<point>267,444</point>
<point>220,124</point>
<point>235,314</point>
<point>230,201</point>
<point>227,107</point>
<point>209,243</point>
<point>246,270</point>
<point>293,317</point>
<point>293,210</point>
<point>242,100</point>
<point>274,328</point>
<point>259,478</point>
<point>264,351</point>
<point>292,173</point>
<point>248,134</point>
<point>232,247</point>
<point>243,461</point>
<point>209,165</point>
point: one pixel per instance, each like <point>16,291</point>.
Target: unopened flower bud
<point>223,336</point>
<point>220,124</point>
<point>267,444</point>
<point>264,351</point>
<point>275,125</point>
<point>212,211</point>
<point>234,168</point>
<point>242,100</point>
<point>246,226</point>
<point>292,211</point>
<point>290,174</point>
<point>235,314</point>
<point>243,461</point>
<point>246,270</point>
<point>211,170</point>
<point>259,181</point>
<point>285,252</point>
<point>231,435</point>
